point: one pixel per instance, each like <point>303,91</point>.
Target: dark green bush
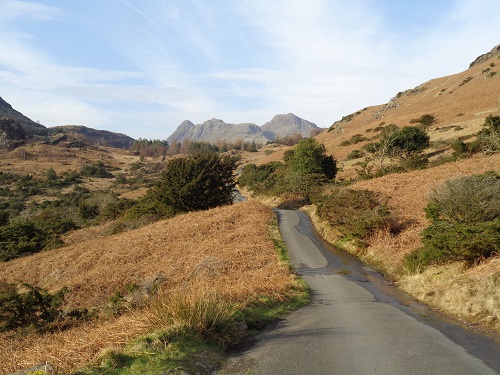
<point>465,222</point>
<point>198,182</point>
<point>20,238</point>
<point>408,140</point>
<point>414,161</point>
<point>95,170</point>
<point>116,209</point>
<point>34,307</point>
<point>356,138</point>
<point>355,154</point>
<point>355,213</point>
<point>259,178</point>
<point>425,120</point>
<point>151,208</point>
<point>4,218</point>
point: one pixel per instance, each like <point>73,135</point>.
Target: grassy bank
<point>175,291</point>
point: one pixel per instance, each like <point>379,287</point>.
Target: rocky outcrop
<point>486,56</point>
<point>94,137</point>
<point>12,134</point>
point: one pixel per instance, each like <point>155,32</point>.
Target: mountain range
<point>210,131</point>
<point>215,130</point>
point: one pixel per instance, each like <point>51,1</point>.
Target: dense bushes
<point>29,308</point>
<point>354,213</point>
<point>198,182</point>
<point>398,150</point>
<point>305,168</point>
<point>465,222</point>
<point>20,238</point>
<point>258,178</point>
<point>488,140</point>
<point>33,307</point>
<point>95,170</point>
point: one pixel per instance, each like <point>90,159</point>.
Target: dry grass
<point>408,192</point>
<point>471,294</point>
<point>70,349</point>
<point>228,248</point>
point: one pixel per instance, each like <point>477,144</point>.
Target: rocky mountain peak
<point>486,56</point>
<point>215,130</point>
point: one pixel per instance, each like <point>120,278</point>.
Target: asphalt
<point>358,323</point>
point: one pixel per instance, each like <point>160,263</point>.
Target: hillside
<point>7,111</point>
<point>76,133</point>
<point>94,137</point>
<point>215,130</point>
<point>227,250</point>
<point>459,102</point>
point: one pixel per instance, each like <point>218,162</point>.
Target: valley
<point>115,268</point>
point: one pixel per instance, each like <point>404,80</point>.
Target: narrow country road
<point>357,323</point>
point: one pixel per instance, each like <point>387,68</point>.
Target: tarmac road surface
<point>358,323</point>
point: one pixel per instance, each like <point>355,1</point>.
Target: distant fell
<point>94,136</point>
<point>30,126</point>
<point>216,130</point>
<point>80,133</point>
<point>285,125</point>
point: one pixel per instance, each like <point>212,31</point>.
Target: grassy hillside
<point>228,250</point>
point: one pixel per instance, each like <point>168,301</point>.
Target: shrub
<point>95,170</point>
<point>408,140</point>
<point>198,182</point>
<point>465,222</point>
<point>20,238</point>
<point>34,307</point>
<point>425,120</point>
<point>259,178</point>
<point>355,154</point>
<point>310,157</point>
<point>356,138</point>
<point>307,167</point>
<point>354,213</point>
<point>414,161</point>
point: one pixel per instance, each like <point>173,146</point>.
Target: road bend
<point>357,323</point>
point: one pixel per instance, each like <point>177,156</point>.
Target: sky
<point>141,67</point>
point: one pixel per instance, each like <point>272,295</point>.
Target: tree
<point>409,140</point>
<point>307,167</point>
<point>309,157</point>
<point>50,174</point>
<point>197,182</point>
<point>406,143</point>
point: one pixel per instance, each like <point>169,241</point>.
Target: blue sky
<point>141,67</point>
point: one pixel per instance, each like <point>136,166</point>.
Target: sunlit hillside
<point>228,250</point>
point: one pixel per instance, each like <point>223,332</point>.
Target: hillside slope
<point>29,125</point>
<point>227,249</point>
<point>459,102</point>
